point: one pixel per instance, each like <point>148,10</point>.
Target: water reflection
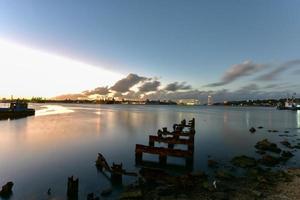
<point>46,150</point>
<point>298,118</point>
<point>53,110</point>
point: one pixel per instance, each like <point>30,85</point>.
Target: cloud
<point>296,72</point>
<point>149,86</point>
<point>270,86</point>
<point>125,84</point>
<point>177,86</point>
<point>272,75</point>
<point>98,90</point>
<point>246,68</point>
<point>250,87</point>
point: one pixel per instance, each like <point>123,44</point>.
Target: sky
<point>234,49</point>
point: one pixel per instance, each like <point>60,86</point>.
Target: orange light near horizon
<point>27,72</point>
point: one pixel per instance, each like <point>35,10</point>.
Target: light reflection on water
<point>52,110</point>
<point>61,140</point>
<point>298,118</point>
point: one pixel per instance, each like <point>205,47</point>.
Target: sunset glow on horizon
<point>27,72</point>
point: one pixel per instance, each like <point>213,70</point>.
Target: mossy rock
<point>244,161</point>
<point>224,174</point>
<point>265,145</point>
<point>269,160</point>
<point>131,194</point>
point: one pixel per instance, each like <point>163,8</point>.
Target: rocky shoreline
<point>246,178</point>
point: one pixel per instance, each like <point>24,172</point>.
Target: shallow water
<point>40,152</point>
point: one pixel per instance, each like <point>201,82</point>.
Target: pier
<point>171,139</point>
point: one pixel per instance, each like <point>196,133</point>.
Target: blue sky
<point>192,41</point>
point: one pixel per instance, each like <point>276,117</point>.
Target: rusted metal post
<point>191,147</point>
<point>162,159</point>
<point>151,143</point>
<point>170,146</point>
<point>189,161</point>
<point>72,191</point>
<point>116,173</point>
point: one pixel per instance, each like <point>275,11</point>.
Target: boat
<point>289,105</point>
<point>16,110</point>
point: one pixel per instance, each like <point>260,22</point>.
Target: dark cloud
<point>98,90</point>
<point>270,86</point>
<point>247,88</point>
<point>246,68</point>
<point>177,86</point>
<point>125,84</point>
<point>272,75</point>
<point>149,86</point>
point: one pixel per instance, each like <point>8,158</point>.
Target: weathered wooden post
<point>72,191</point>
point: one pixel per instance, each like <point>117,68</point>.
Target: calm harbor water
<point>40,152</point>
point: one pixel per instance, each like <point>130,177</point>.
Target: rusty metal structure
<point>178,136</point>
<point>116,170</point>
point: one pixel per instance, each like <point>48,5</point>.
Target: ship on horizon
<point>289,104</point>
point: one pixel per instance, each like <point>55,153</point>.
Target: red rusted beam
<point>139,149</point>
<point>170,140</point>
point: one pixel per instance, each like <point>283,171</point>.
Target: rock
<point>132,194</point>
<point>220,196</point>
<point>205,185</point>
<point>297,146</point>
<point>244,161</point>
<point>92,197</point>
<point>285,155</point>
<point>265,145</point>
<point>106,192</point>
<point>269,160</point>
<point>6,189</point>
<point>252,130</point>
<point>223,174</point>
<point>260,152</point>
<point>212,163</point>
<point>257,193</point>
<point>164,190</point>
<point>286,143</point>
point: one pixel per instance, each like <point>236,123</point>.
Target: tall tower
<point>209,100</point>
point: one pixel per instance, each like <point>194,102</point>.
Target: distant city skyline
<point>160,49</point>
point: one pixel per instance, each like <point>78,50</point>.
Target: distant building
<point>189,102</point>
<point>209,100</point>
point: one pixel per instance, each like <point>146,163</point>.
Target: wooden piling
<point>72,191</point>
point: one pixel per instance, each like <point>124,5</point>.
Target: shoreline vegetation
<point>242,103</point>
